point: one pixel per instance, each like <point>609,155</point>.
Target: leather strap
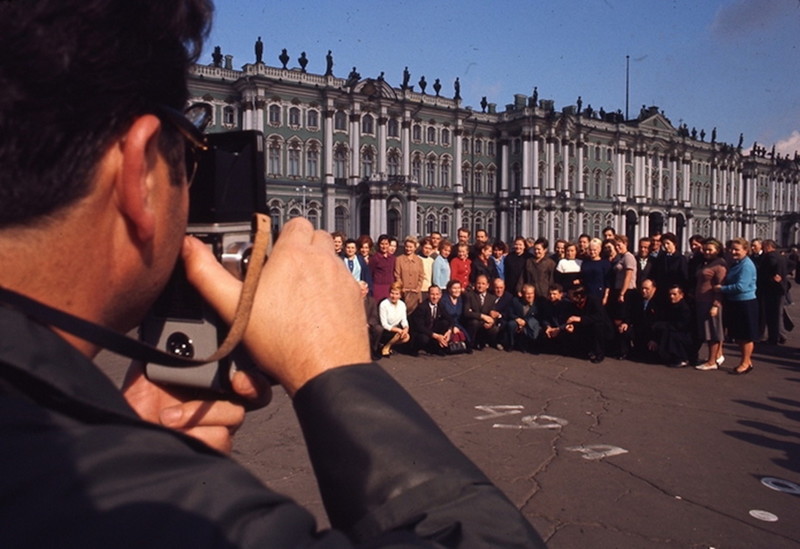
<point>135,349</point>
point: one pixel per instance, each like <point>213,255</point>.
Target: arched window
<point>394,221</point>
<point>430,171</point>
<point>517,175</point>
<point>312,119</point>
<point>393,162</point>
<point>340,219</point>
<point>294,117</point>
<point>312,161</point>
<point>340,121</point>
<point>444,175</point>
<point>276,216</point>
<point>609,184</point>
<point>490,180</point>
<point>368,124</point>
<point>274,157</point>
<point>340,162</point>
<point>596,187</point>
<point>393,128</point>
<point>228,116</point>
<point>478,175</point>
<point>274,115</point>
<point>431,135</point>
<point>367,162</point>
<point>416,168</point>
<point>478,146</point>
<point>466,180</point>
<point>416,133</point>
<point>430,223</point>
<point>444,222</point>
<point>446,137</point>
<point>294,159</point>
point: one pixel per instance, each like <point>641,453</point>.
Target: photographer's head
<point>93,200</point>
<point>75,76</point>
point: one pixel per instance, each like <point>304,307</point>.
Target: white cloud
<point>790,145</point>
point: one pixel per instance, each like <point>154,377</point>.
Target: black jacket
<point>85,471</point>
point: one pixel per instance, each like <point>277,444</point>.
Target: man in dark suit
<point>523,328</point>
<point>501,310</point>
<point>644,261</point>
<point>429,326</point>
<point>772,273</point>
<point>556,311</point>
<point>482,328</point>
<point>636,330</point>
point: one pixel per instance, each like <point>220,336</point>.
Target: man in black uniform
<point>93,208</point>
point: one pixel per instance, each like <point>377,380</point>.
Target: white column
<point>327,142</point>
<point>525,192</point>
<point>405,144</point>
<point>687,180</point>
<point>638,174</point>
<point>673,179</point>
<point>381,160</point>
<point>355,144</point>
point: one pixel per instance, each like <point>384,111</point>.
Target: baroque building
<point>360,156</point>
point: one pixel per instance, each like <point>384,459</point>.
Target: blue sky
<point>733,64</point>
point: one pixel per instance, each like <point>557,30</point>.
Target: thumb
<point>216,286</point>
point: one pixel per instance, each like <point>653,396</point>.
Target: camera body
<point>228,188</point>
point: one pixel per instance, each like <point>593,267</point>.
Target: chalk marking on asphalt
<point>597,451</point>
<point>499,410</point>
<point>781,485</point>
<point>531,422</point>
<point>766,516</point>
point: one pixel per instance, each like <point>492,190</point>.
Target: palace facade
<point>360,156</point>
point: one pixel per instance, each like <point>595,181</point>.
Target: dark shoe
<point>681,364</point>
<point>596,359</point>
<point>737,372</point>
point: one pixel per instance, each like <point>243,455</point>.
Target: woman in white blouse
<point>392,312</point>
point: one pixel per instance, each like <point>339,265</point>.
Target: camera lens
<point>180,344</point>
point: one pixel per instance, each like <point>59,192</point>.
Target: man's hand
<point>196,413</point>
<point>307,317</point>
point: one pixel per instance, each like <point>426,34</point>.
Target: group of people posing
<point>591,298</point>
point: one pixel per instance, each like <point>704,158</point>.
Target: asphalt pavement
<point>617,454</point>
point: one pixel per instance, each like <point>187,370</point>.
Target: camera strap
<point>137,350</point>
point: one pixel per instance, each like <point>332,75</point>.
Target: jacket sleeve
<point>358,424</point>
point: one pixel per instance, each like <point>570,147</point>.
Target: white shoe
<point>720,360</point>
<point>706,367</point>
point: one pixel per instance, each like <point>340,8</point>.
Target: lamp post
<point>304,190</point>
<point>514,203</point>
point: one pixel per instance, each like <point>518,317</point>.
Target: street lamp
<point>515,204</point>
<point>304,190</point>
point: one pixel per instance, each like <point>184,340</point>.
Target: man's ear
<point>138,177</point>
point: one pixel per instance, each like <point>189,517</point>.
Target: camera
<point>228,189</point>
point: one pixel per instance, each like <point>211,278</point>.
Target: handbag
<point>458,343</point>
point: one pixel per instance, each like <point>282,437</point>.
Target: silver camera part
<point>183,324</point>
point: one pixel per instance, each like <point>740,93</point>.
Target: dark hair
<point>74,75</point>
<point>500,245</point>
<point>670,237</point>
<point>543,242</point>
<point>451,283</point>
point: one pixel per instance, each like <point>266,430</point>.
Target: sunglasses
<point>190,124</point>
